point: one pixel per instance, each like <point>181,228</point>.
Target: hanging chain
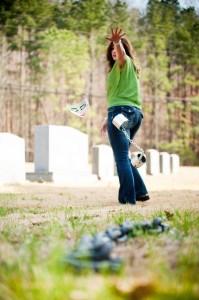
<point>131,141</point>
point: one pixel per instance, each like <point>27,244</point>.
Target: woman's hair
<point>129,51</point>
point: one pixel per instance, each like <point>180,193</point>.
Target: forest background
<point>52,52</point>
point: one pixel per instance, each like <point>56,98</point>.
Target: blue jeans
<point>131,183</point>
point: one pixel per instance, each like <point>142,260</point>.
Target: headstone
<point>60,152</point>
<point>103,161</point>
<point>164,163</point>
<point>142,169</point>
<point>153,162</point>
<point>174,163</point>
<point>12,158</point>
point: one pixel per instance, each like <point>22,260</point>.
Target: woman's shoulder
<point>129,63</point>
<point>129,60</point>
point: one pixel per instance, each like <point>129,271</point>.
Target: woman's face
<point>113,53</point>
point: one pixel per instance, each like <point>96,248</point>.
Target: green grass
<point>6,211</point>
<point>35,240</point>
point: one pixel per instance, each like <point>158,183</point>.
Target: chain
<point>131,141</point>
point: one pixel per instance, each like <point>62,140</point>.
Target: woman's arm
<point>103,128</point>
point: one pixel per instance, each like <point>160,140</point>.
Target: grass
<point>35,240</point>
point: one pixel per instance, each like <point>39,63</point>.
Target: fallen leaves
<point>134,287</point>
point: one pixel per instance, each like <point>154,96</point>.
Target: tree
<point>86,17</point>
<point>66,61</point>
<point>21,22</point>
<point>156,69</point>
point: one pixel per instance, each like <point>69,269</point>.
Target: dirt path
<point>100,197</point>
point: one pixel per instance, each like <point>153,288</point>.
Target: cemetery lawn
<point>41,223</point>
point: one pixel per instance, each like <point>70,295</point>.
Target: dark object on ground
<point>95,252</point>
<point>143,198</point>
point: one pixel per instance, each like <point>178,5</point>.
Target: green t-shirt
<point>123,87</point>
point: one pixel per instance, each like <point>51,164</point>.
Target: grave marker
<point>164,163</point>
<point>153,162</point>
<point>103,161</point>
<point>12,158</point>
<point>175,163</point>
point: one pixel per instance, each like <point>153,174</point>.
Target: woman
<point>124,97</point>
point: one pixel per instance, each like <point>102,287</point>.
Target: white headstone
<point>174,163</point>
<point>153,162</point>
<point>164,163</point>
<point>103,161</point>
<point>60,150</point>
<point>12,158</point>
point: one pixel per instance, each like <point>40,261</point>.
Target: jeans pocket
<point>129,113</point>
<point>131,122</point>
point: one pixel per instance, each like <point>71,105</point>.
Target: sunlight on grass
<point>35,240</point>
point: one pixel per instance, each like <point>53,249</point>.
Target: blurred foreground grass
<point>35,240</point>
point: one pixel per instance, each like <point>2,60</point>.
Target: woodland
<point>53,52</point>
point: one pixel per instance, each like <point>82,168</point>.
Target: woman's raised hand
<point>116,35</point>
